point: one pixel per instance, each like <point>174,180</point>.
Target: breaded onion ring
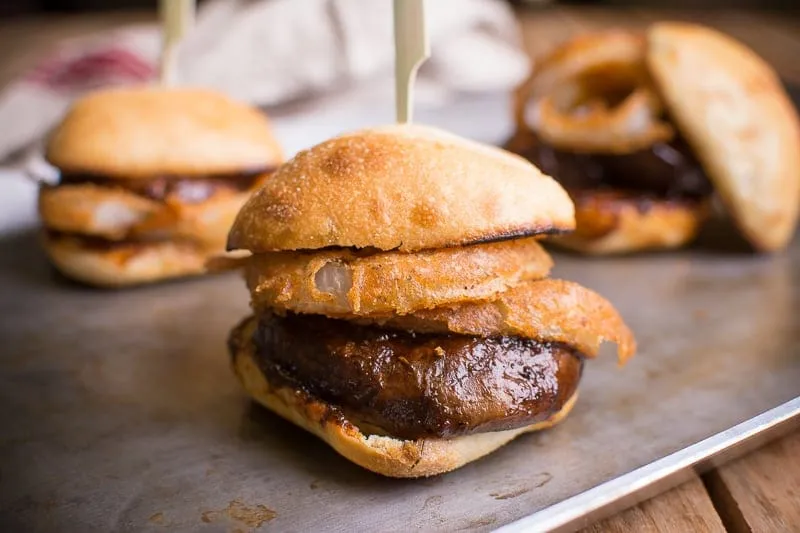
<point>206,222</point>
<point>594,128</point>
<point>342,282</point>
<point>593,94</point>
<point>548,310</point>
<point>117,214</point>
<point>586,53</point>
<point>617,222</point>
<point>94,210</point>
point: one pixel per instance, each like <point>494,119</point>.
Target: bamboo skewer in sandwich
<point>642,129</point>
<point>151,177</point>
<point>402,311</point>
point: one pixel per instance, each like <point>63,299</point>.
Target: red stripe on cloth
<point>91,70</point>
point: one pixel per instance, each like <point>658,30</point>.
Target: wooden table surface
<point>759,492</point>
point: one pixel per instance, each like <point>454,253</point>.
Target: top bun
<point>403,187</point>
<point>733,111</point>
<point>146,131</point>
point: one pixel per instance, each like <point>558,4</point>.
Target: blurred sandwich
<point>150,182</point>
<point>641,130</point>
<point>402,309</point>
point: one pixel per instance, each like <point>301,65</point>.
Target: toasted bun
<point>400,187</point>
<point>384,455</point>
<point>732,109</point>
<point>613,223</point>
<point>124,265</point>
<point>147,131</point>
<point>340,282</point>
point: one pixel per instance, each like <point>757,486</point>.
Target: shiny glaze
<point>101,244</point>
<point>186,189</point>
<point>413,385</point>
<point>665,170</point>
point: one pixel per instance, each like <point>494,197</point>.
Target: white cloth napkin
<point>275,52</point>
<point>320,67</point>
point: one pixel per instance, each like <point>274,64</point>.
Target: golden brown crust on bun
<point>384,455</point>
<point>611,222</point>
<point>146,131</point>
<point>732,109</point>
<point>123,264</point>
<point>341,282</point>
<point>547,310</point>
<point>400,187</point>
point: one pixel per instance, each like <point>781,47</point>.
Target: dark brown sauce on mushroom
<point>664,170</point>
<point>418,385</point>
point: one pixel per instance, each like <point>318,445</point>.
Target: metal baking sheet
<point>119,412</point>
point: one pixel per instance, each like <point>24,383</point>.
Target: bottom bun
<point>614,222</point>
<point>384,455</point>
<point>123,264</point>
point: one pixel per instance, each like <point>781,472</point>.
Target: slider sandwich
<point>150,182</point>
<point>642,129</point>
<point>402,307</point>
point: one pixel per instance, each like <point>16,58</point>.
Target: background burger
<point>150,182</point>
<point>642,129</point>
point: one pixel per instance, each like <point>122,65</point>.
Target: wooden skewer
<point>412,48</point>
<point>177,16</point>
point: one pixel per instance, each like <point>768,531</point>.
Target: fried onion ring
<point>593,94</point>
<point>594,128</point>
<point>94,210</point>
<point>548,310</point>
<point>117,214</point>
<point>342,282</point>
<point>620,222</point>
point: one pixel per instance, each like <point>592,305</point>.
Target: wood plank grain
<point>685,508</point>
<point>760,491</point>
<point>543,30</point>
<point>760,31</point>
<point>787,22</point>
<point>598,19</point>
<point>768,35</point>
